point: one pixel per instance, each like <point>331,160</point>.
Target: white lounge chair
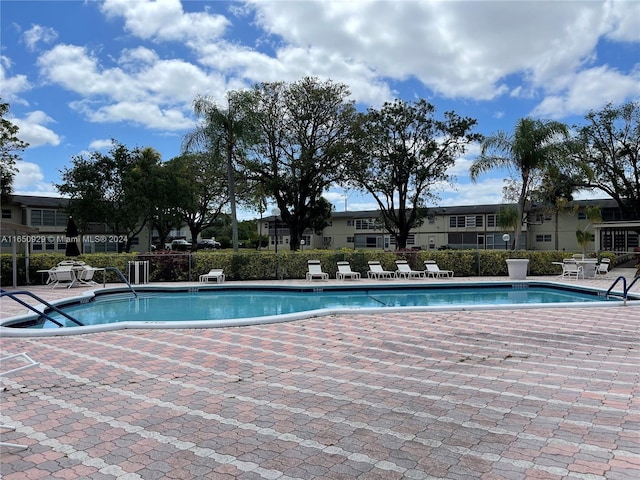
<point>602,269</point>
<point>376,271</point>
<point>315,271</point>
<point>344,272</point>
<point>571,269</point>
<point>432,270</point>
<point>404,270</point>
<point>216,274</point>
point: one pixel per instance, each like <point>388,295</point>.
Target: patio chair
<point>571,269</point>
<point>376,271</point>
<point>84,275</point>
<point>216,274</point>
<point>603,267</point>
<point>432,270</point>
<point>344,272</point>
<point>404,270</point>
<point>315,271</point>
<point>63,275</point>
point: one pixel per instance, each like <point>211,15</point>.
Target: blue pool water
<point>235,304</point>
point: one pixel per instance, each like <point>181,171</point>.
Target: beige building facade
<point>37,224</point>
<point>473,227</point>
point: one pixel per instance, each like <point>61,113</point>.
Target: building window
<point>455,222</point>
<point>366,224</point>
<point>349,223</point>
<point>48,218</point>
<point>431,219</point>
<point>543,238</point>
<point>6,213</point>
<point>350,240</point>
<point>491,220</point>
<point>469,221</point>
<point>542,217</point>
<point>582,216</point>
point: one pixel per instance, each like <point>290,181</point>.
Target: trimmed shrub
<point>263,265</point>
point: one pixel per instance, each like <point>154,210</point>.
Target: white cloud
<point>485,191</point>
<point>147,114</point>
<point>29,180</point>
<point>37,34</point>
<point>455,48</point>
<point>33,130</point>
<point>165,21</point>
<point>623,18</point>
<point>155,93</point>
<point>101,144</point>
<point>590,89</point>
<point>12,87</point>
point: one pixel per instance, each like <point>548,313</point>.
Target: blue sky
<point>78,73</point>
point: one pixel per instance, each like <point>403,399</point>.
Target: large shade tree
<point>304,135</point>
<point>10,145</point>
<point>609,148</point>
<point>403,157</point>
<point>162,184</point>
<point>526,153</point>
<point>111,189</point>
<point>202,191</point>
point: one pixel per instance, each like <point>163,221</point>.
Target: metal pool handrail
<point>625,288</point>
<point>12,295</point>
<point>123,279</point>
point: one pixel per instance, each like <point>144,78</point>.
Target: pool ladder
<point>625,288</point>
<point>14,296</point>
<point>117,270</point>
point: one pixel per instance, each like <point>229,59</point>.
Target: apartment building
<point>473,227</point>
<point>38,223</point>
<point>43,220</point>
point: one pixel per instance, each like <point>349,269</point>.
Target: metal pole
<point>277,258</point>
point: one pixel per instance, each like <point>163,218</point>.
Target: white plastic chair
<point>432,270</point>
<point>376,271</point>
<point>63,276</point>
<point>603,267</point>
<point>344,272</point>
<point>404,270</point>
<point>214,274</point>
<point>571,269</point>
<point>85,275</point>
<point>315,271</point>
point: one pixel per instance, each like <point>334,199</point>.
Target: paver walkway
<point>514,394</point>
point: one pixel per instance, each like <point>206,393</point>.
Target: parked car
<point>180,245</point>
<point>208,244</point>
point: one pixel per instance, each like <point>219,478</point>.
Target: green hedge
<point>254,265</point>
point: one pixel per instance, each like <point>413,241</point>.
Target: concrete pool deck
<point>548,393</point>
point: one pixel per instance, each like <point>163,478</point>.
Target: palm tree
<point>509,219</point>
<point>223,130</point>
<point>533,145</point>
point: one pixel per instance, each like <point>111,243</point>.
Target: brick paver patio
<point>549,393</point>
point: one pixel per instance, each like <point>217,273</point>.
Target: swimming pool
<point>209,306</point>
